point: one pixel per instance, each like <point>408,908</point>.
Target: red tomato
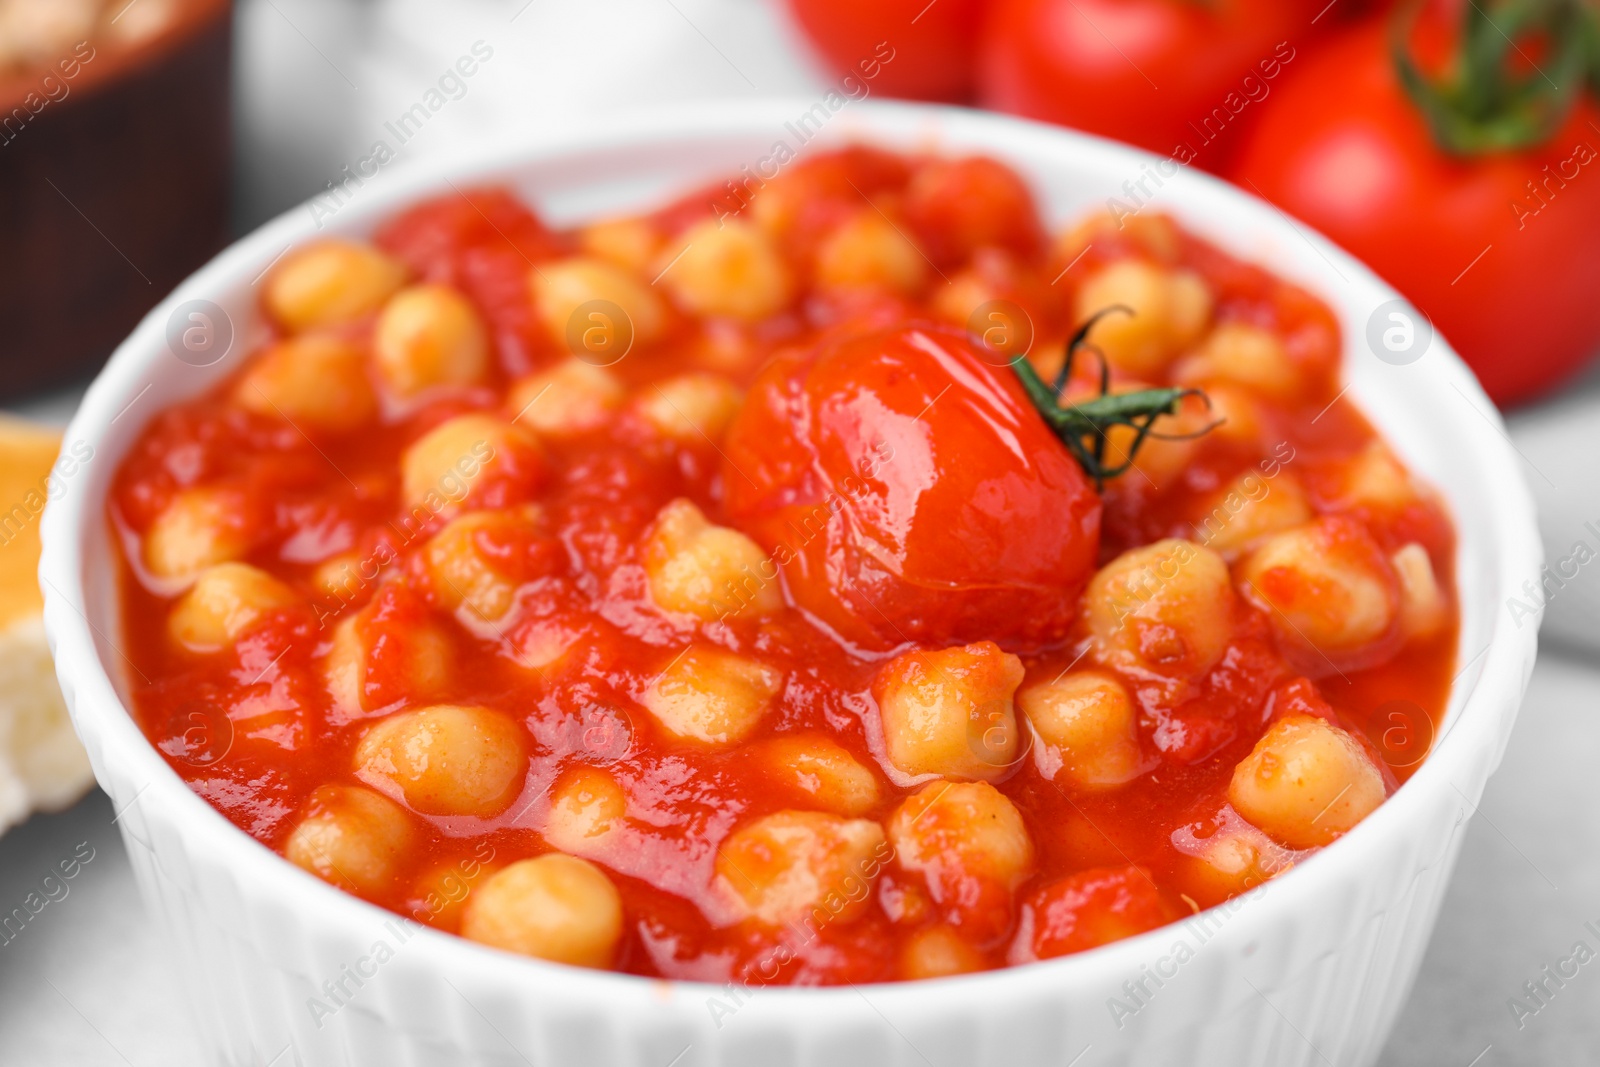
<point>909,492</point>
<point>1093,908</point>
<point>961,205</point>
<point>1498,250</point>
<point>1173,76</point>
<point>899,47</point>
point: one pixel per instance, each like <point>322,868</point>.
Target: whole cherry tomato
<point>897,47</point>
<point>909,491</point>
<point>1174,76</point>
<point>1497,247</point>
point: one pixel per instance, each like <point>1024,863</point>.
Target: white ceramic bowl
<point>1310,969</point>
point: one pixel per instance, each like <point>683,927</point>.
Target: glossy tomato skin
<point>897,47</point>
<point>1148,72</point>
<point>909,492</point>
<point>1360,164</point>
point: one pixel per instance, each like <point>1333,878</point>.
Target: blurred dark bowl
<point>114,186</point>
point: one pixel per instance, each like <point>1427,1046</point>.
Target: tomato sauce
<point>255,727</point>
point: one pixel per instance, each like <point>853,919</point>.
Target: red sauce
<point>254,729</point>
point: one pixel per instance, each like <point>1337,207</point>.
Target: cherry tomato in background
<point>1499,247</point>
<point>909,491</point>
<point>913,48</point>
<point>1178,77</point>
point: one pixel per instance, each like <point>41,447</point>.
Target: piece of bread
<point>42,766</point>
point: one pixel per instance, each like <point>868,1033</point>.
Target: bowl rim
<point>108,727</point>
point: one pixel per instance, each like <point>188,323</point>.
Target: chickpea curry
<point>846,581</point>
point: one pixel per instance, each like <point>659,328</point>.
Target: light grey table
<point>84,983</point>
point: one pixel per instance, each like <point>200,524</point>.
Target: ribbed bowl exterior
<point>1310,969</point>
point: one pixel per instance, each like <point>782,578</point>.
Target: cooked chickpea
<point>953,831</point>
<point>1164,608</point>
<point>712,696</point>
<point>1236,413</point>
<point>938,952</point>
<point>820,768</point>
<point>709,571</point>
<point>443,465</point>
<point>869,252</point>
<point>1245,355</point>
<point>351,837</point>
<point>1249,508</point>
<point>1235,859</point>
<point>1325,584</point>
<point>950,712</point>
<point>201,527</point>
<point>1157,234</point>
<point>330,282</point>
<point>313,381</point>
<point>338,579</point>
<point>1375,479</point>
<point>785,867</point>
<point>630,243</point>
<point>446,759</point>
<point>729,268</point>
<point>569,398</point>
<point>225,602</point>
<point>561,288</point>
<point>1170,311</point>
<point>428,336</point>
<point>1088,730</point>
<point>462,570</point>
<point>1423,611</point>
<point>553,907</point>
<point>1306,782</point>
<point>691,408</point>
<point>346,670</point>
<point>586,804</point>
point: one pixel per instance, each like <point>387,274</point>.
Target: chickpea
<point>822,770</point>
<point>691,408</point>
<point>950,712</point>
<point>1235,859</point>
<point>1249,508</point>
<point>428,336</point>
<point>351,837</point>
<point>441,468</point>
<point>561,288</point>
<point>446,759</point>
<point>554,907</point>
<point>869,252</point>
<point>954,833</point>
<point>225,602</point>
<point>793,864</point>
<point>1157,234</point>
<point>1306,782</point>
<point>201,527</point>
<point>630,243</point>
<point>1170,310</point>
<point>1088,730</point>
<point>339,579</point>
<point>462,570</point>
<point>712,696</point>
<point>569,398</point>
<point>1423,610</point>
<point>330,282</point>
<point>727,268</point>
<point>708,571</point>
<point>1375,479</point>
<point>1245,355</point>
<point>1325,584</point>
<point>425,671</point>
<point>586,804</point>
<point>939,952</point>
<point>1235,412</point>
<point>1165,608</point>
<point>312,381</point>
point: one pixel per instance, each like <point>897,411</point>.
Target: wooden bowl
<point>114,184</point>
